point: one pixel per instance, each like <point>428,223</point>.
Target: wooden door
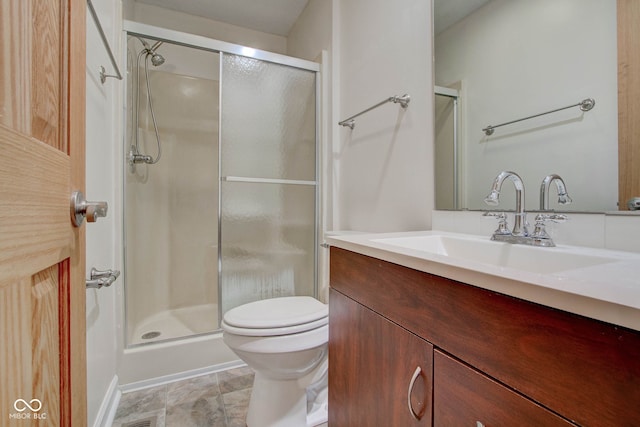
<point>372,364</point>
<point>628,101</point>
<point>42,263</point>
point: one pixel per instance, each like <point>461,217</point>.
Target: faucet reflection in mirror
<point>563,197</point>
<point>520,233</point>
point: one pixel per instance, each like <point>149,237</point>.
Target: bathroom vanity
<point>408,346</point>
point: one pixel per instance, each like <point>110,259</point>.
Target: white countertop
<point>609,292</point>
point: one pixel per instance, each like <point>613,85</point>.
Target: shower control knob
<point>81,208</point>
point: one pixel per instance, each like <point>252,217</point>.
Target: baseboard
<point>153,382</point>
<point>107,411</point>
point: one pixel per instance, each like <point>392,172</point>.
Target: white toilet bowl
<point>284,340</point>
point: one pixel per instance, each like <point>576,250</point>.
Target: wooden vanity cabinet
<point>381,374</point>
<point>490,348</point>
<point>465,397</point>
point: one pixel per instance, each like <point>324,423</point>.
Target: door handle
<point>81,208</point>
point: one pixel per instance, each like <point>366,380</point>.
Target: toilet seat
<point>276,316</point>
<point>270,332</point>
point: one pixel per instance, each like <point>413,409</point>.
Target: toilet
<point>284,340</point>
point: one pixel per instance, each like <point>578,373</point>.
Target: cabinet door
<point>379,373</point>
<point>463,396</point>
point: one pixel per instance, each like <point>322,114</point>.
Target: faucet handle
<point>541,218</point>
<point>499,215</point>
<point>503,227</point>
<point>539,231</point>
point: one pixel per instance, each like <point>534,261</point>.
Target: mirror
<point>504,60</point>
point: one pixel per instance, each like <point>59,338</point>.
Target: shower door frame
<point>454,96</point>
<point>131,28</point>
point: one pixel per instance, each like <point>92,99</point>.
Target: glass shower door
<point>268,189</point>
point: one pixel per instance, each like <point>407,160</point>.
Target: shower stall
<point>220,181</point>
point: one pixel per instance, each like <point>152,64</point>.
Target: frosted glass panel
<point>268,120</point>
<point>268,132</point>
<point>268,241</point>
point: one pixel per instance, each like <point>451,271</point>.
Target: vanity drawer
<point>465,397</point>
<point>586,370</point>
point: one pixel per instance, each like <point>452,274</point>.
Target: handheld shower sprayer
<point>135,156</point>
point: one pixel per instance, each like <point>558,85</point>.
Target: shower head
<point>157,59</point>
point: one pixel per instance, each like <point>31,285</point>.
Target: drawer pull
<point>415,376</point>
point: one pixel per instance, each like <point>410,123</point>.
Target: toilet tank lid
<point>277,312</point>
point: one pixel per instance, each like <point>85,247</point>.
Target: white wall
<point>311,38</point>
<point>517,58</point>
<point>385,165</point>
<point>311,33</point>
<point>102,146</point>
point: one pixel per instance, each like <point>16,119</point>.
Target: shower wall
<point>171,227</point>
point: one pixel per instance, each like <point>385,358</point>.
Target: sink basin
<point>499,254</point>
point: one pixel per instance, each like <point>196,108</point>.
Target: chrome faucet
<point>563,197</point>
<point>493,199</point>
<point>520,234</point>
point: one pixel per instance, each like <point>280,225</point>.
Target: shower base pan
<point>176,323</point>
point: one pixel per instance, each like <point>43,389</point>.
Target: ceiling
<point>448,12</point>
<point>278,16</point>
<point>269,16</point>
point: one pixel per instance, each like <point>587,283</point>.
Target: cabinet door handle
<point>415,376</point>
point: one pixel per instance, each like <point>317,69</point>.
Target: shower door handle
<point>81,208</point>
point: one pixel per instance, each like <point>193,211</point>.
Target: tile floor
<point>214,400</point>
